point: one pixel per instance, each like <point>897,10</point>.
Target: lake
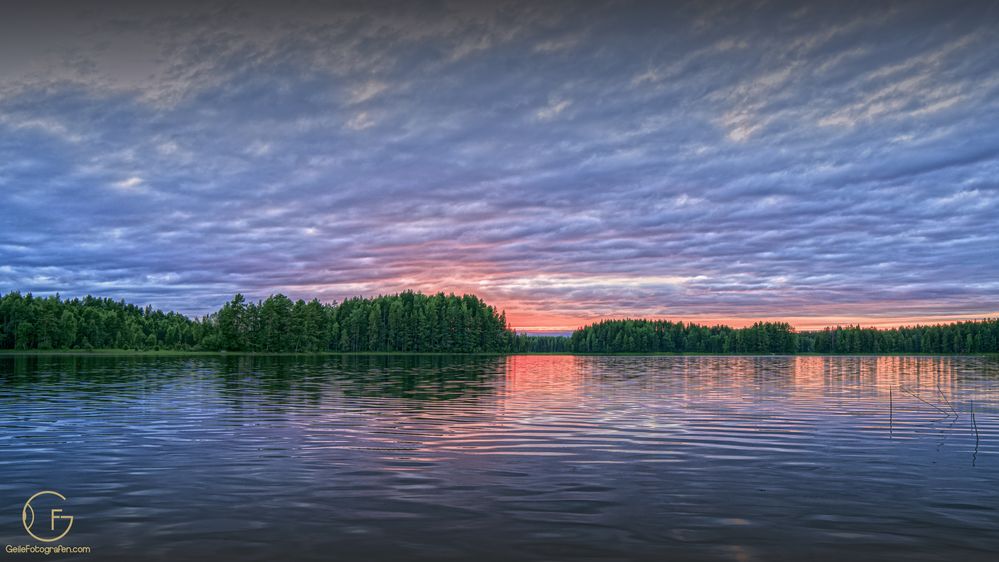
<point>506,458</point>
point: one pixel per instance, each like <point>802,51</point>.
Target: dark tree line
<point>959,337</point>
<point>27,322</point>
<point>662,336</point>
<point>526,343</point>
<point>407,322</point>
<point>414,322</point>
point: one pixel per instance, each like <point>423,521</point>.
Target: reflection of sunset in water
<point>634,457</point>
<point>876,376</point>
<point>738,394</point>
<point>559,374</point>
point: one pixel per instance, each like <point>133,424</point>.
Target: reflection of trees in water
<point>309,379</point>
<point>92,375</point>
<point>687,377</point>
<point>939,380</point>
<point>243,381</point>
<point>810,374</point>
<point>751,379</point>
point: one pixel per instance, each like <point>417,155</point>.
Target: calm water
<point>518,458</point>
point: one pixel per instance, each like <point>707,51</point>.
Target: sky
<point>821,163</point>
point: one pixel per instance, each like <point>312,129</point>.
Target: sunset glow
<point>817,165</point>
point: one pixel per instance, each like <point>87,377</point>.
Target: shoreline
<point>170,353</point>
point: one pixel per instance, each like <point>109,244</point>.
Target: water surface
<point>514,458</point>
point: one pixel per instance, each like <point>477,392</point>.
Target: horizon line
<point>797,322</point>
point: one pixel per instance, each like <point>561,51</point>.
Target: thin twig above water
<point>974,424</point>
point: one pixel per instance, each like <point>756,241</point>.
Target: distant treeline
<point>414,322</point>
<point>662,336</point>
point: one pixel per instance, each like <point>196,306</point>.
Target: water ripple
<point>530,457</point>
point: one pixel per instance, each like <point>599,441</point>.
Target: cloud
<point>672,159</point>
<point>366,91</point>
<point>559,44</point>
<point>553,109</point>
<point>128,183</point>
<point>360,121</point>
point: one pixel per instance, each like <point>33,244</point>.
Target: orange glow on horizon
<point>527,314</point>
<point>542,322</point>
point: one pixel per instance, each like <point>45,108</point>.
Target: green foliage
<point>959,337</point>
<point>663,336</point>
<point>525,343</point>
<point>407,322</point>
<point>27,322</point>
<point>418,323</point>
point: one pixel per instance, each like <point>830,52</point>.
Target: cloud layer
<point>704,161</point>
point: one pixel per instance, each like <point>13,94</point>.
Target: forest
<point>407,322</point>
<point>663,336</point>
<point>411,322</point>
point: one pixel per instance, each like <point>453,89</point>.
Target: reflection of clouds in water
<point>688,457</point>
